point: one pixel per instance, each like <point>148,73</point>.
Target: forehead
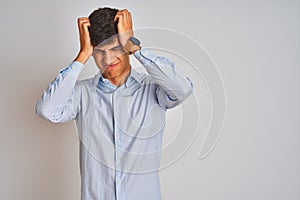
<point>108,43</point>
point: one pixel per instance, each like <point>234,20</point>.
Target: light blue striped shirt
<point>120,128</point>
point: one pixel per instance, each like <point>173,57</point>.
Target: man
<point>120,113</point>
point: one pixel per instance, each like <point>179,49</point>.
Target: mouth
<point>111,66</point>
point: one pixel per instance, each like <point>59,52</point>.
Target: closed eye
<point>117,47</point>
<point>98,51</point>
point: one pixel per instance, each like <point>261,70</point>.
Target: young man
<point>120,113</point>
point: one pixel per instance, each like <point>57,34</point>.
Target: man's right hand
<point>86,48</point>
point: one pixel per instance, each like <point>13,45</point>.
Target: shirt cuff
<point>144,55</point>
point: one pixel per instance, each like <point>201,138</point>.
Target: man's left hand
<point>124,25</point>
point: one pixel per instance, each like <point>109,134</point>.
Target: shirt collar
<point>134,75</point>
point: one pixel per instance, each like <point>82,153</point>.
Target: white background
<point>256,46</point>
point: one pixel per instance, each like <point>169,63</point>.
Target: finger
<point>129,16</point>
<point>117,16</point>
<point>85,26</point>
<point>123,18</point>
<point>120,13</point>
<point>125,13</point>
<point>85,31</point>
<point>130,19</point>
<point>80,21</point>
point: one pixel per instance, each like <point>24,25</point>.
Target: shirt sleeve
<point>58,102</point>
<point>172,87</point>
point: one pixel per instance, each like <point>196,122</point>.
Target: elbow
<point>187,90</point>
<point>42,111</point>
<point>182,92</point>
<point>39,109</point>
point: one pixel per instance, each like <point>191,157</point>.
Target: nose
<point>109,58</point>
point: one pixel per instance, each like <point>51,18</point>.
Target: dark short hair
<point>103,25</point>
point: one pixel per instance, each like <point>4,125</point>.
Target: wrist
<point>132,45</point>
<point>82,57</point>
<point>136,49</point>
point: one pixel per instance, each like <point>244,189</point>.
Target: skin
<point>112,63</point>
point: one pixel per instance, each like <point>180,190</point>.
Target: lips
<point>112,65</point>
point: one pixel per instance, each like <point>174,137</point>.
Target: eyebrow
<point>99,49</point>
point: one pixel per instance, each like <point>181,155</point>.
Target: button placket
<point>118,145</point>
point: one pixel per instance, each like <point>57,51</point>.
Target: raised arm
<point>60,102</point>
<point>173,87</point>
